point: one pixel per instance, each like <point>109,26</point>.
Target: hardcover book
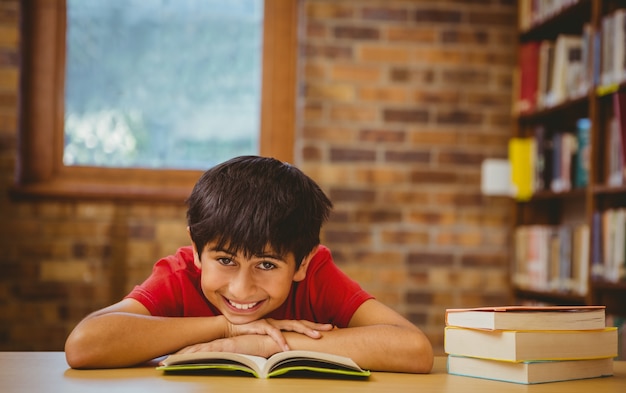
<point>530,372</point>
<point>526,345</point>
<point>528,318</point>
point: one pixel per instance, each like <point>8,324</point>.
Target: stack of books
<point>529,345</point>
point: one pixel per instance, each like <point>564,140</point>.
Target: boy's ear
<point>196,254</point>
<point>301,272</point>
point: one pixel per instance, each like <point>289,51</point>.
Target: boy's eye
<point>225,261</point>
<point>266,265</point>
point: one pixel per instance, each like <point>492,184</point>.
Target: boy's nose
<point>242,286</point>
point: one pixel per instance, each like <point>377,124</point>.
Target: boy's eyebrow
<point>264,254</point>
<point>270,256</point>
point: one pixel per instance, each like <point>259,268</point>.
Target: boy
<point>255,280</point>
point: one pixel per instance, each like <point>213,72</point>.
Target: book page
<point>255,363</point>
<point>309,358</point>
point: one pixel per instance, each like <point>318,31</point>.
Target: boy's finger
<point>278,337</point>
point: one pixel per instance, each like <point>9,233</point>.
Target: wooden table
<point>48,372</point>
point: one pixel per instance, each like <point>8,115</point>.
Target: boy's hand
<point>250,344</point>
<point>273,328</point>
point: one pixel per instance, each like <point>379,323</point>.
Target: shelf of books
<point>567,154</point>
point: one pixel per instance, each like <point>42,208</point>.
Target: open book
<point>277,364</point>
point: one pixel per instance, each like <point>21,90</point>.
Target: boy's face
<point>247,289</point>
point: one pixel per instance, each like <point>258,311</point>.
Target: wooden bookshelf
<point>574,206</point>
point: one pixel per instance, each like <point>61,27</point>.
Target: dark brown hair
<point>249,203</point>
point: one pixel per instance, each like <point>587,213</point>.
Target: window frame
<point>40,172</point>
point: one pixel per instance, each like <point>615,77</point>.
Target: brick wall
<point>399,103</point>
<point>402,100</point>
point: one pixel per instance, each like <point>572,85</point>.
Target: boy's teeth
<point>242,306</point>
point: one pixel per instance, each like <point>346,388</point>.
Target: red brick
<point>330,92</point>
<point>383,94</point>
<point>385,14</point>
<point>411,156</point>
<point>353,113</point>
<point>459,117</point>
<point>325,10</point>
<point>377,216</point>
<point>405,197</point>
<point>434,137</point>
<point>328,51</point>
<point>438,218</point>
<point>348,236</point>
<point>406,115</point>
<point>465,77</point>
<point>429,259</point>
<point>404,237</point>
<point>382,135</point>
<point>384,54</point>
<point>438,96</point>
<point>493,18</point>
<point>352,195</point>
<point>460,157</point>
<point>433,15</point>
<point>485,260</point>
<point>380,176</point>
<point>411,34</point>
<point>314,70</point>
<point>356,33</point>
<point>330,133</point>
<point>418,76</point>
<point>355,73</point>
<point>423,176</point>
<point>351,155</point>
<point>316,30</point>
<point>458,36</point>
<point>311,153</point>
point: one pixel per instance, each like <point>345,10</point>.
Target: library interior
<point>393,108</point>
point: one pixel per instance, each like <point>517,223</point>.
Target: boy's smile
<point>246,289</point>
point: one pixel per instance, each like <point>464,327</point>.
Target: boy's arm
<point>377,338</point>
<point>125,334</point>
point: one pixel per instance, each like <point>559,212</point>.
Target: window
<point>161,83</point>
<point>46,170</point>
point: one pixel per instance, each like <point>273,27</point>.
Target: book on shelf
<point>544,84</point>
<point>567,69</point>
<point>530,372</point>
<point>526,345</point>
<point>309,362</point>
<point>582,154</point>
<point>615,167</point>
<point>532,256</point>
<point>597,259</point>
<point>613,235</point>
<point>528,77</point>
<point>617,138</point>
<point>551,258</point>
<point>543,158</point>
<point>528,317</point>
<point>612,52</point>
<point>565,147</point>
<point>522,159</point>
<point>580,262</point>
<point>532,12</point>
<point>588,59</point>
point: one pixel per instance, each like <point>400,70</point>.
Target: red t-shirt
<point>326,295</point>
